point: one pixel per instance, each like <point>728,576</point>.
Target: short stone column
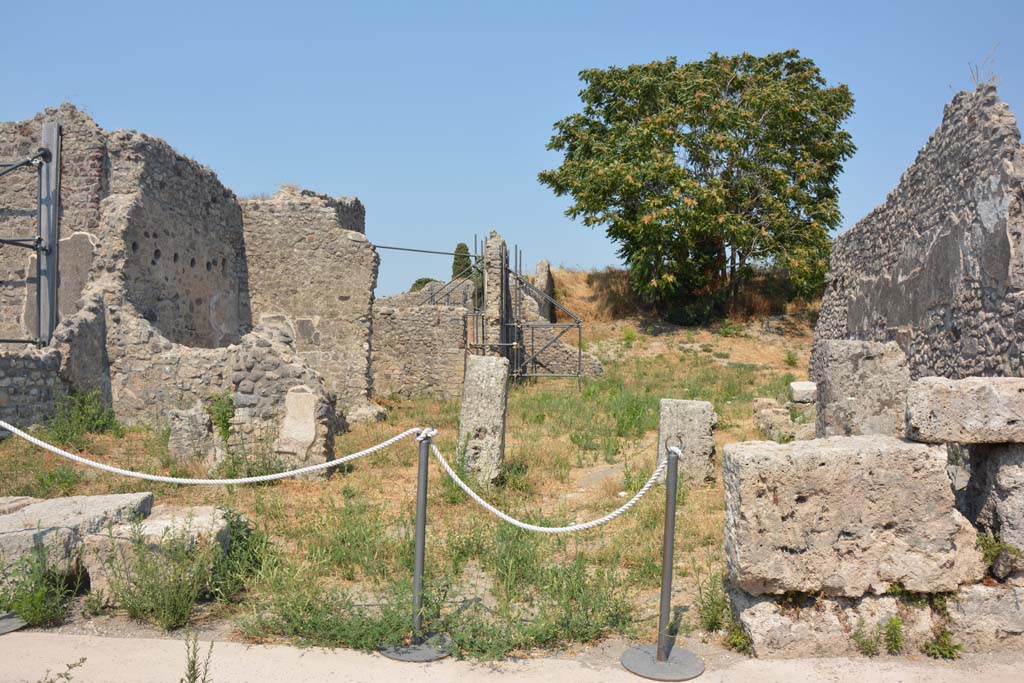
<point>862,387</point>
<point>481,446</point>
<point>689,426</point>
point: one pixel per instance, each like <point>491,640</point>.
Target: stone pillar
<point>481,444</point>
<point>862,387</point>
<point>544,281</point>
<point>496,302</point>
<point>689,425</point>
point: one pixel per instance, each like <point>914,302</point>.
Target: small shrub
<point>629,337</point>
<point>36,591</point>
<point>721,354</point>
<point>161,583</point>
<point>95,603</point>
<point>791,359</point>
<point>585,441</point>
<point>713,610</point>
<point>992,547</point>
<point>893,634</point>
<point>64,676</point>
<point>76,414</point>
<point>249,550</point>
<point>221,411</point>
<point>737,638</point>
<point>867,640</point>
<point>194,671</point>
<point>942,646</point>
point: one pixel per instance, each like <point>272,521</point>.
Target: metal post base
<point>681,665</point>
<point>433,648</point>
<point>9,621</point>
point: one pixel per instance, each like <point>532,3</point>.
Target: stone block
<point>844,516</point>
<point>298,428</point>
<point>689,426</point>
<point>778,425</point>
<point>803,392</point>
<point>9,504</point>
<point>862,387</point>
<point>987,617</point>
<point>972,410</point>
<point>61,524</point>
<point>190,434</point>
<point>200,524</point>
<point>995,497</point>
<point>482,416</point>
<point>822,626</point>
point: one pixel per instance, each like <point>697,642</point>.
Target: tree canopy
<point>701,171</point>
<point>461,262</point>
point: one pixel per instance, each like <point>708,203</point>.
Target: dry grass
<point>570,456</point>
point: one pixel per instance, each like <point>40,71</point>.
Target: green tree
<point>703,170</point>
<point>460,262</point>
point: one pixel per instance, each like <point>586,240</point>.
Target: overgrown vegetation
<point>196,671</point>
<point>942,646</point>
<point>867,639</point>
<point>992,547</point>
<point>222,411</point>
<point>421,282</point>
<point>893,635</point>
<point>77,415</point>
<point>36,590</point>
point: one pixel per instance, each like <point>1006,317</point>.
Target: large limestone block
<point>109,548</point>
<point>61,525</point>
<point>803,392</point>
<point>844,516</point>
<point>298,428</point>
<point>821,626</point>
<point>482,416</point>
<point>988,617</point>
<point>970,410</point>
<point>862,387</point>
<point>689,426</point>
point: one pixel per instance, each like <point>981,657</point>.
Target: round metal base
<point>10,621</point>
<point>433,648</point>
<point>682,665</point>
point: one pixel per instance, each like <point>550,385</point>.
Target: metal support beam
<point>46,259</point>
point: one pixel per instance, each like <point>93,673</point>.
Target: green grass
<point>75,416</point>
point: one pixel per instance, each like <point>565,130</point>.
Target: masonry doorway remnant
<point>46,163</point>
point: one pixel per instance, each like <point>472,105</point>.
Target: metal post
<point>421,540</point>
<point>46,256</point>
<point>422,647</point>
<point>668,546</point>
<point>664,662</point>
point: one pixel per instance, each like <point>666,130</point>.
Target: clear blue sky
<point>437,115</point>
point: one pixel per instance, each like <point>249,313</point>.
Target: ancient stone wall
<point>83,186</point>
<point>939,267</point>
<point>309,260</point>
<point>28,386</point>
<point>418,350</point>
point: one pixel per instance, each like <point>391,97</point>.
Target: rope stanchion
<point>207,482</point>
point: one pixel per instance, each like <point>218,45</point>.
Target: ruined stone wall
<point>309,260</point>
<point>28,386</point>
<point>83,186</point>
<point>418,351</point>
<point>939,267</point>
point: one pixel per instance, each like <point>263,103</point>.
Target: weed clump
<point>36,591</point>
<point>75,415</point>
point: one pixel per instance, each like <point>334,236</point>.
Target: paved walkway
<point>26,655</point>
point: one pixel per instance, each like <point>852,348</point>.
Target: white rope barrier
<point>211,482</point>
<point>583,526</point>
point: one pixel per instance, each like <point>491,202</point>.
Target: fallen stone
<point>862,387</point>
<point>844,516</point>
<point>482,417</point>
<point>109,548</point>
<point>60,525</point>
<point>803,392</point>
<point>987,617</point>
<point>821,626</point>
<point>689,426</point>
<point>777,424</point>
<point>970,411</point>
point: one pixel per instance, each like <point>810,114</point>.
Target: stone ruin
<point>920,407</point>
<point>173,291</point>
